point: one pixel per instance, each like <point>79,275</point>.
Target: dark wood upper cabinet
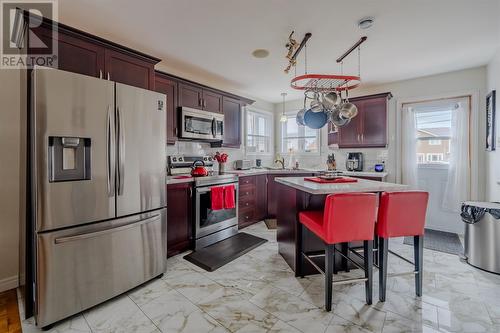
<point>168,86</point>
<point>86,54</point>
<point>369,128</point>
<point>179,218</point>
<point>127,69</point>
<point>232,122</point>
<point>374,122</point>
<point>212,101</point>
<point>190,96</point>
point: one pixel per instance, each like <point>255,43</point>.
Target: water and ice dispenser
<point>69,159</point>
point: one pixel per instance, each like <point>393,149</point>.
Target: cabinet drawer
<point>246,215</point>
<point>247,180</point>
<point>247,191</point>
<point>247,203</point>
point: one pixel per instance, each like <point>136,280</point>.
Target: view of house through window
<point>259,129</point>
<point>433,135</point>
<point>299,139</point>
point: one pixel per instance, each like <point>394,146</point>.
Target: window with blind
<point>299,139</point>
<point>259,132</point>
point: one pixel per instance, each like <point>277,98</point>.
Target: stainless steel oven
<point>201,125</point>
<point>212,226</point>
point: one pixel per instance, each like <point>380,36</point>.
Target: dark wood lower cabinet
<point>179,218</point>
<point>252,204</point>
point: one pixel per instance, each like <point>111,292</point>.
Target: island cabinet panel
<point>179,218</point>
<point>168,86</point>
<point>273,193</point>
<point>232,122</point>
<point>369,128</point>
<point>190,96</point>
<point>123,68</point>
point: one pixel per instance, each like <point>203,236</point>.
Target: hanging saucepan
<point>316,105</point>
<point>315,120</point>
<point>337,119</point>
<point>300,115</point>
<point>330,100</point>
<point>348,110</point>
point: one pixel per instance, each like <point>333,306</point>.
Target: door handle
<point>359,138</point>
<point>105,231</point>
<point>213,128</point>
<point>100,73</point>
<point>200,102</point>
<point>204,103</point>
<point>111,151</point>
<point>190,192</point>
<point>121,152</point>
<point>362,137</point>
<point>109,76</point>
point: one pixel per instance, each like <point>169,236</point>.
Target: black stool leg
<point>329,264</point>
<point>375,246</point>
<point>368,247</point>
<point>418,248</point>
<point>345,252</point>
<point>383,248</point>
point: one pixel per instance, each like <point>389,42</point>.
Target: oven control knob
<point>174,159</point>
<point>210,159</point>
<point>181,159</point>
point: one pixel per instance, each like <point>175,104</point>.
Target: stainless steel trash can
<point>482,238</point>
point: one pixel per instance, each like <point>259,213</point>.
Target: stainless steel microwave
<point>201,125</point>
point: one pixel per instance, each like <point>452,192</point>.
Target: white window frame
<point>422,156</point>
<point>293,114</point>
<point>270,119</point>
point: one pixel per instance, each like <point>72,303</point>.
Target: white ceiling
<point>212,40</point>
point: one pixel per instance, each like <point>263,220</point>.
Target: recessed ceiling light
<point>260,53</point>
<point>366,22</point>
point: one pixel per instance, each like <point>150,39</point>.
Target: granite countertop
<point>362,185</point>
<point>263,171</point>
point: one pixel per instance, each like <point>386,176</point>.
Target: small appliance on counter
<point>242,164</point>
<point>183,165</point>
<point>379,167</point>
<point>258,163</point>
<point>354,162</point>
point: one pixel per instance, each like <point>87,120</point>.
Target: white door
<point>433,123</point>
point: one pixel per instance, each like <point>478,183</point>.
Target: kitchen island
<point>297,194</point>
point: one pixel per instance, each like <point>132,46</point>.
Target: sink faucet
<point>281,161</point>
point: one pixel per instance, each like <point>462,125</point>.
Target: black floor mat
<point>217,255</point>
<point>441,241</point>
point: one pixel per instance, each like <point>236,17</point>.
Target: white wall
<point>448,84</point>
<point>11,177</point>
<point>493,158</point>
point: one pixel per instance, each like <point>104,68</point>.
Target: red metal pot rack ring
<point>323,82</point>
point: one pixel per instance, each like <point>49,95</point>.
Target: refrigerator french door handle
<point>106,231</point>
<point>111,152</point>
<point>121,152</point>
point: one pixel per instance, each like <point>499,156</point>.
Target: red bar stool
<point>347,217</point>
<point>401,214</point>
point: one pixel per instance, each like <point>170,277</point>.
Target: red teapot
<point>199,170</point>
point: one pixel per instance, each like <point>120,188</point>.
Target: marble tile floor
<point>259,293</point>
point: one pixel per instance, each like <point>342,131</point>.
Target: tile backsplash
<point>371,156</point>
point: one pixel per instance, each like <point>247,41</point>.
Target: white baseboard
<point>9,283</point>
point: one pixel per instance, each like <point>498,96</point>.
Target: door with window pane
<point>434,127</point>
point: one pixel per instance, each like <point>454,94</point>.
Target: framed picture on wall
<point>490,121</point>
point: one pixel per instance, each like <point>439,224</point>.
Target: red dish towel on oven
<point>217,197</point>
<point>229,202</point>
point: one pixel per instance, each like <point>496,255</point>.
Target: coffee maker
<point>354,162</point>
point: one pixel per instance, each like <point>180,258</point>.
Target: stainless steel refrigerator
<point>98,165</point>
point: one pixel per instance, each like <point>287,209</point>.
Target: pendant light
<point>283,117</point>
